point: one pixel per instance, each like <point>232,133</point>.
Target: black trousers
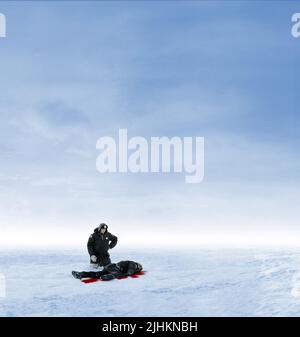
<point>93,274</point>
<point>103,259</point>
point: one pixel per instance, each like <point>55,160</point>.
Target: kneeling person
<point>98,245</point>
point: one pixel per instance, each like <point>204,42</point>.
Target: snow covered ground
<point>177,283</point>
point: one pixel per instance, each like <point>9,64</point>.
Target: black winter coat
<point>99,244</point>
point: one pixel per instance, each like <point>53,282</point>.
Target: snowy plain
<point>204,282</point>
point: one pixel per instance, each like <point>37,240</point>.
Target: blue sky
<point>71,72</point>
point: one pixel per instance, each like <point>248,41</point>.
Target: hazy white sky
<point>73,72</point>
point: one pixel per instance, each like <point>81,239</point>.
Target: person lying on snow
<point>111,271</point>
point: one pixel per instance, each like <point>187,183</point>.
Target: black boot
<point>77,274</point>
